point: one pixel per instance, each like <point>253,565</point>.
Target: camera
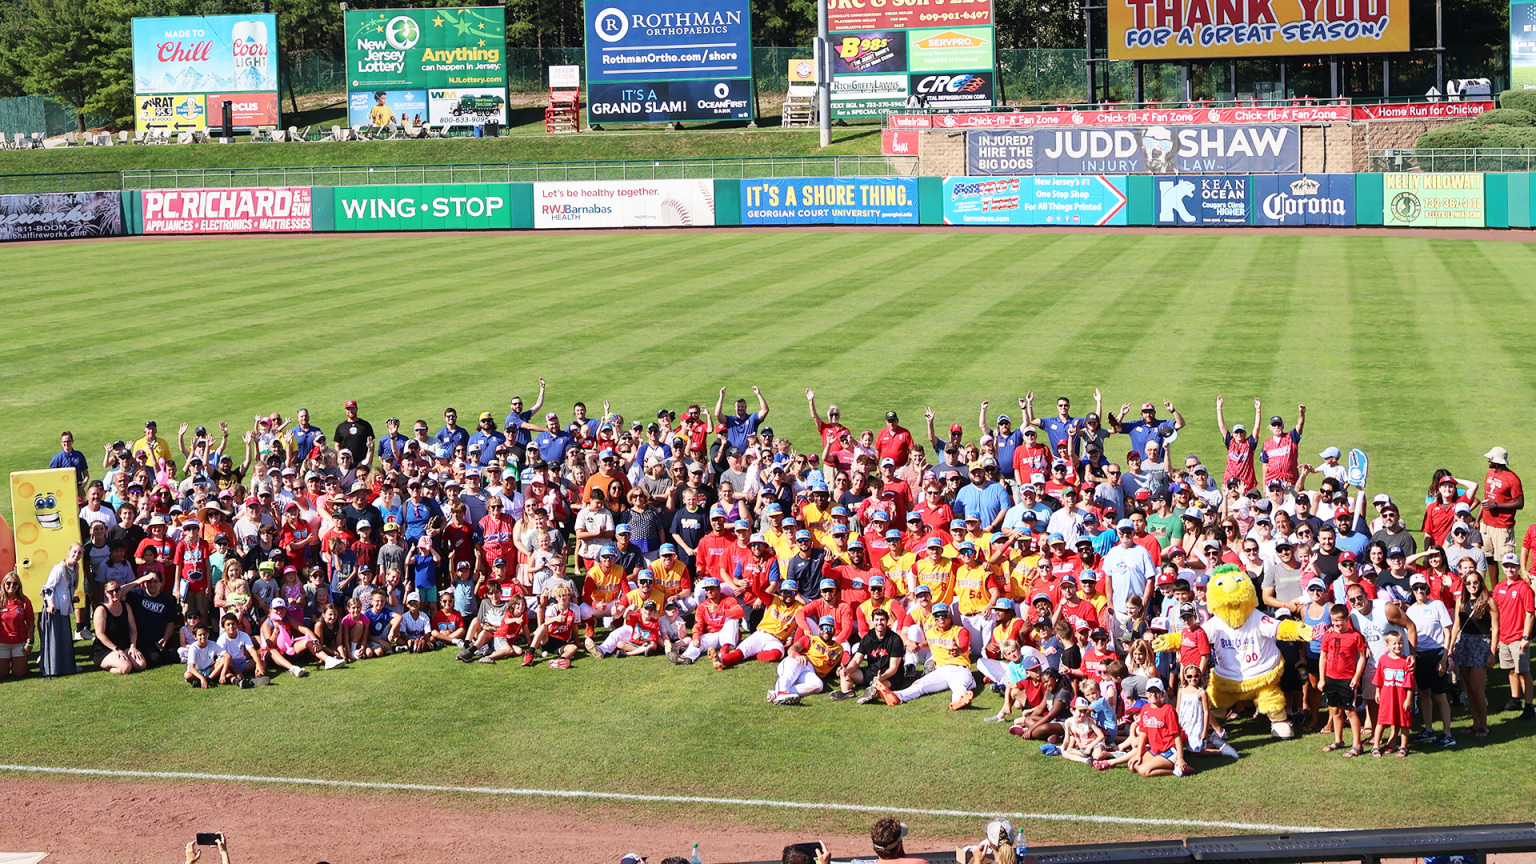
<point>208,838</point>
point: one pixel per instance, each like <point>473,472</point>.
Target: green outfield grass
<point>1413,349</point>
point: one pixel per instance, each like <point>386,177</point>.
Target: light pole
<point>824,75</point>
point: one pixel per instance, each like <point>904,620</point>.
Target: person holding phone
<point>215,840</point>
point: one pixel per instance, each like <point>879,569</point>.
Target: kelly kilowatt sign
<point>1304,199</point>
<point>1433,200</point>
<point>1197,29</point>
<point>1257,149</point>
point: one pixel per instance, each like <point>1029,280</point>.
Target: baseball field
<point>1414,349</point>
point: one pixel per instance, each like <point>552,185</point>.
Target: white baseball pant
<point>980,627</point>
<point>797,675</point>
<point>956,679</point>
<point>759,642</point>
<point>729,634</point>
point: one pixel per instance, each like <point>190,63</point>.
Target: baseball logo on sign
<point>611,25</point>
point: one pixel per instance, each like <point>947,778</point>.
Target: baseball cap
<point>1238,427</point>
<point>826,621</point>
<point>1417,579</point>
<point>350,403</point>
<point>922,589</point>
<point>790,586</point>
<point>879,516</point>
<point>935,541</point>
<point>667,549</point>
<point>1331,453</point>
<point>279,602</point>
<point>1156,684</point>
<point>940,609</point>
<point>1194,513</point>
<point>827,583</point>
<point>645,576</point>
<point>1395,552</point>
<point>890,416</point>
<point>1347,558</point>
<point>742,524</point>
<point>608,552</point>
<point>1166,578</point>
<point>414,597</point>
<point>1187,609</point>
<point>967,546</point>
<point>1003,603</point>
<point>893,534</point>
<point>802,534</point>
<point>1081,704</point>
<point>1148,406</point>
<point>839,528</point>
<point>756,538</point>
<point>1040,595</point>
<point>1202,579</point>
<point>1080,625</point>
<point>1088,576</point>
<point>887,461</point>
<point>876,580</point>
<point>709,582</point>
<point>1277,420</point>
<point>1316,583</point>
<point>956,427</point>
<point>1510,558</point>
<point>621,528</point>
<point>1125,525</point>
<point>1382,499</point>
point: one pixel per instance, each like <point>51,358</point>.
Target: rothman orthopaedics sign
<point>1196,29</point>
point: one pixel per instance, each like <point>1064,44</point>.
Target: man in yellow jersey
<point>151,448</point>
<point>634,598</point>
<point>776,630</point>
<point>603,589</point>
<point>976,588</point>
<point>897,565</point>
<point>811,659</point>
<point>672,579</point>
<point>935,571</point>
<point>951,647</point>
<point>914,636</point>
<point>879,600</point>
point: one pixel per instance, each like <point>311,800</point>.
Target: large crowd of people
<point>1038,556</point>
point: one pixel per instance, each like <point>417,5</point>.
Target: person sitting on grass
<point>115,648</point>
<point>447,623</point>
<point>381,625</point>
<point>354,629</point>
<point>811,661</point>
<point>510,637</point>
<point>1082,740</point>
<point>245,664</point>
<point>207,663</point>
<point>286,644</point>
<point>330,645</point>
<point>1015,674</point>
<point>1195,715</point>
<point>877,657</point>
<point>414,627</point>
<point>950,645</point>
<point>1043,721</point>
<point>557,634</point>
<point>641,635</point>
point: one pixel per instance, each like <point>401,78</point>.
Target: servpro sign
<point>438,207</point>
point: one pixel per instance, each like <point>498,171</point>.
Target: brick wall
<point>941,154</point>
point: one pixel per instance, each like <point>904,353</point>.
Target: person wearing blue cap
<point>716,625</point>
<point>812,660</point>
<point>709,548</point>
<point>774,630</point>
<point>976,589</point>
<point>673,579</point>
<point>752,577</point>
<point>828,603</point>
<point>602,591</point>
<point>1005,438</point>
<point>951,647</point>
<point>806,565</point>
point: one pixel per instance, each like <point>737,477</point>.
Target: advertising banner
<point>1304,199</point>
<point>1096,200</point>
<point>1522,44</point>
<point>640,53</point>
<point>907,14</point>
<point>428,65</point>
<point>186,112</point>
<point>1160,117</point>
<point>1202,200</point>
<point>898,142</point>
<point>1266,149</point>
<point>1433,200</point>
<point>957,90</point>
<point>226,211</point>
<point>436,207</point>
<point>1424,110</point>
<point>801,72</point>
<point>953,48</point>
<point>667,101</point>
<point>246,109</point>
<point>383,107</point>
<point>868,95</point>
<point>870,52</point>
<point>56,215</point>
<point>624,204</point>
<point>1211,29</point>
<point>830,201</point>
<point>194,56</point>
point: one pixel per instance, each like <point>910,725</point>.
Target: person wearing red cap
<point>354,434</point>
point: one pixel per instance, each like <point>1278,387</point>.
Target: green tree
<point>80,50</point>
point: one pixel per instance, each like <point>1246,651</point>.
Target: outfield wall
<point>1173,201</point>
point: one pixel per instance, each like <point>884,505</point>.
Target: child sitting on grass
<point>1200,733</point>
<point>206,661</point>
<point>1082,740</point>
<point>1013,689</point>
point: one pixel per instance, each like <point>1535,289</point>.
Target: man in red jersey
<point>893,441</point>
<point>1240,447</point>
<point>716,625</point>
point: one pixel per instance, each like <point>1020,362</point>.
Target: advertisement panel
<point>402,63</point>
<point>246,109</point>
<point>1095,200</point>
<point>1212,29</point>
<point>898,142</point>
<point>1433,200</point>
<point>1191,116</point>
<point>1204,200</point>
<point>624,204</point>
<point>1522,44</point>
<point>383,107</point>
<point>1255,149</point>
<point>56,215</point>
<point>907,14</point>
<point>227,55</point>
<point>186,112</point>
<point>1425,110</point>
<point>226,211</point>
<point>950,90</point>
<point>669,60</point>
<point>830,201</point>
<point>870,52</point>
<point>1304,199</point>
<point>435,207</point>
<point>868,95</point>
<point>952,48</point>
<point>667,101</point>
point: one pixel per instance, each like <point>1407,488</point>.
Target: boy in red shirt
<point>1394,697</point>
<point>1195,646</point>
<point>1343,657</point>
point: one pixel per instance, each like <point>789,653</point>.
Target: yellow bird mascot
<point>1246,663</point>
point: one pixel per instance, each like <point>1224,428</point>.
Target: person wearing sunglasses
<point>1432,624</point>
<point>16,627</point>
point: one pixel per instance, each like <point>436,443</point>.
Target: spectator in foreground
<point>887,836</point>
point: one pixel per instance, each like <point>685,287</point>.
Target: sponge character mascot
<point>1246,662</point>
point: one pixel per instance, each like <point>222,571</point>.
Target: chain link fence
<point>49,115</point>
<point>1449,160</point>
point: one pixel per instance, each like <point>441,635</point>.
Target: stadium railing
<point>1473,159</point>
<point>634,169</point>
<point>1473,842</point>
<point>60,181</point>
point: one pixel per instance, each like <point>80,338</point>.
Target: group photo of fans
<point>1048,571</point>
